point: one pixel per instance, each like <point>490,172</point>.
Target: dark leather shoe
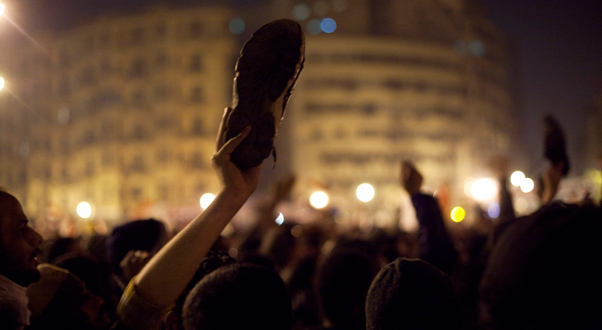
<point>266,73</point>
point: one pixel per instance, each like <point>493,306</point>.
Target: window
<point>137,36</point>
<point>161,30</point>
<point>136,193</point>
<point>197,126</point>
<point>161,60</point>
<point>89,169</point>
<point>162,156</point>
<point>162,93</point>
<point>196,95</point>
<point>138,68</point>
<point>196,63</point>
<point>195,30</point>
<point>138,165</point>
<point>197,160</point>
<point>139,132</point>
<point>138,99</point>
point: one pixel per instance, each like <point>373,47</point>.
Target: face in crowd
<point>19,243</point>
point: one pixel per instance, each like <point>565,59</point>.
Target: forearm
<point>166,275</point>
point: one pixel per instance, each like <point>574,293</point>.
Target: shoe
<point>266,72</point>
<point>555,144</point>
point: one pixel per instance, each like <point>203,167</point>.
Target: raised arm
<point>166,275</point>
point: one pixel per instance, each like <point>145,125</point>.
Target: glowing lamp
<point>527,185</point>
<point>517,178</point>
<point>458,214</point>
<point>84,210</point>
<point>318,200</point>
<point>484,189</point>
<point>365,192</point>
<point>206,200</point>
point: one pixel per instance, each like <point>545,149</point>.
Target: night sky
<point>559,46</point>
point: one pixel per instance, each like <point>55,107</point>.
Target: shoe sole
<point>266,74</point>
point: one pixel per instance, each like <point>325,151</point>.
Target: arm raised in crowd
<point>166,275</point>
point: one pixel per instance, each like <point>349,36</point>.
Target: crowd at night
<point>109,137</point>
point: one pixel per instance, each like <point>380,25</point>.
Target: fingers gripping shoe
<point>266,73</point>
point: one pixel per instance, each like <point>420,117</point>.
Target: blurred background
<point>109,109</point>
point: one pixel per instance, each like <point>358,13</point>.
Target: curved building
<point>429,81</point>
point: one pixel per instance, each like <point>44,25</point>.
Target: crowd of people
<point>541,271</point>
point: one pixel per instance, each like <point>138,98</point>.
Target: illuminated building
<point>121,113</point>
<point>429,81</point>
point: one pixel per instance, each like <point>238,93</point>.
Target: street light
<point>365,192</point>
<point>84,210</point>
<point>517,178</point>
<point>318,200</point>
<point>206,200</point>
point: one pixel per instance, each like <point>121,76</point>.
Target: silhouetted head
<point>239,296</point>
<point>342,284</point>
<point>144,235</point>
<point>412,294</point>
<point>19,243</point>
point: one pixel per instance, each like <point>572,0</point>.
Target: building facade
<point>121,113</point>
<point>428,81</point>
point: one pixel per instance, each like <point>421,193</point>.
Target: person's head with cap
<point>239,296</point>
<point>412,294</point>
<point>60,300</point>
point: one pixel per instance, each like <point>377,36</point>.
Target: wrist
<point>238,197</point>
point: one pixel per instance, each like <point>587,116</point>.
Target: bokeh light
<point>328,25</point>
<point>458,214</point>
<point>237,26</point>
<point>280,219</point>
<point>517,178</point>
<point>1,9</point>
<point>84,210</point>
<point>318,200</point>
<point>206,200</point>
<point>301,12</point>
<point>477,48</point>
<point>365,192</point>
<point>314,26</point>
<point>521,205</point>
<point>493,210</point>
<point>484,189</point>
<point>1,83</point>
<point>527,185</point>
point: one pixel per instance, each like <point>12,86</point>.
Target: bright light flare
<point>493,210</point>
<point>318,200</point>
<point>1,12</point>
<point>365,192</point>
<point>84,210</point>
<point>280,219</point>
<point>527,185</point>
<point>484,189</point>
<point>206,200</point>
<point>1,83</point>
<point>458,214</point>
<point>517,178</point>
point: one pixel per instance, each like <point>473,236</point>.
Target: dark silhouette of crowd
<point>540,271</point>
